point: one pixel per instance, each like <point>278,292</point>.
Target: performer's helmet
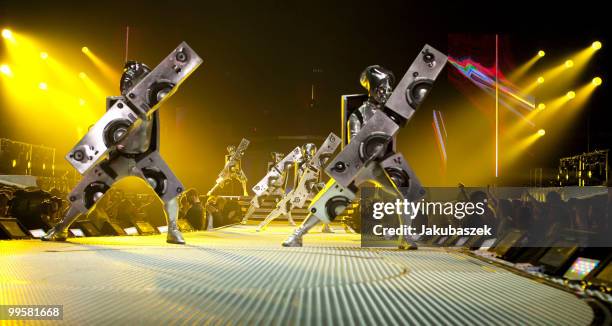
<point>133,72</point>
<point>379,82</point>
<point>309,150</point>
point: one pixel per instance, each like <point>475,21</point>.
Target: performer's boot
<point>174,234</point>
<point>254,205</point>
<point>407,243</point>
<point>60,231</point>
<point>295,240</point>
<point>326,228</point>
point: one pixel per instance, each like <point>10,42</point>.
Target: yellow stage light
<point>44,55</point>
<point>570,95</point>
<point>569,63</point>
<point>82,102</point>
<point>85,49</point>
<point>5,69</point>
<point>541,132</point>
<point>541,106</point>
<point>14,163</point>
<point>29,164</point>
<point>596,45</point>
<point>7,34</point>
<point>43,86</point>
<point>82,75</point>
<point>541,53</point>
<point>44,166</point>
<point>596,81</point>
<point>540,80</point>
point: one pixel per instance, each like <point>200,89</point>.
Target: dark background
<point>261,58</point>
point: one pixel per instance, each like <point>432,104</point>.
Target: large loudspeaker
<point>88,228</point>
<point>110,228</point>
<point>184,225</point>
<point>510,246</point>
<point>558,258</point>
<point>10,229</point>
<point>145,228</point>
<point>603,278</point>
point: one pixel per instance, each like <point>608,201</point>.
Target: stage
<point>235,275</point>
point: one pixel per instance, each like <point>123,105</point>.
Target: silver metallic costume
<point>125,141</point>
<point>379,83</point>
<point>309,179</point>
<point>369,157</point>
<point>276,183</point>
<point>232,170</point>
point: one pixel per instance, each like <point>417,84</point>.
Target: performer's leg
<point>278,211</point>
<point>254,206</point>
<point>156,172</point>
<point>60,231</point>
<point>295,239</point>
<point>82,198</point>
<point>281,208</point>
<point>171,207</point>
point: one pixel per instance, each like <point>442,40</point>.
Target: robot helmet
<point>309,150</point>
<point>133,72</point>
<point>379,82</point>
<point>276,156</point>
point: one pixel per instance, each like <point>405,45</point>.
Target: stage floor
<point>237,275</point>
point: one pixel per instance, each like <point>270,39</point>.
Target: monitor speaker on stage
<point>603,277</point>
<point>110,228</point>
<point>145,228</point>
<point>510,245</point>
<point>184,225</point>
<point>558,258</point>
<point>88,228</point>
<point>10,229</point>
<point>474,242</point>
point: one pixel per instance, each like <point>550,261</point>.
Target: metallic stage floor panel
<point>235,275</point>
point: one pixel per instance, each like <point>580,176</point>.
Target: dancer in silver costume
<point>232,170</point>
<point>370,155</point>
<point>309,180</point>
<point>125,141</point>
<point>275,187</point>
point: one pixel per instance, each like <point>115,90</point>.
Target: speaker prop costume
<point>125,141</point>
<point>309,179</point>
<point>369,157</point>
<point>233,168</point>
<point>274,182</point>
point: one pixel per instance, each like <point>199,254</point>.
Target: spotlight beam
<point>106,70</point>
